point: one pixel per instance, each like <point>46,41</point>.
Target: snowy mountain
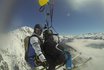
<point>88,36</point>
<point>12,49</point>
<point>12,53</point>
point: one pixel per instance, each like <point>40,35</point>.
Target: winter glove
<point>45,64</point>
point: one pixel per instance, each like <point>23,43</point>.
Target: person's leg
<point>68,61</point>
<point>31,57</point>
<point>31,63</point>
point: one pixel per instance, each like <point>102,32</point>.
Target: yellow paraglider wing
<point>43,2</point>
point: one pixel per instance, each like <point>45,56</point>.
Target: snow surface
<point>90,45</point>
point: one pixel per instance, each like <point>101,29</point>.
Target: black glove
<point>45,64</point>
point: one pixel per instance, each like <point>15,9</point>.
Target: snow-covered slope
<point>12,50</point>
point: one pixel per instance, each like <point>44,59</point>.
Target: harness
<point>58,48</point>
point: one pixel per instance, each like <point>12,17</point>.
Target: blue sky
<point>70,16</point>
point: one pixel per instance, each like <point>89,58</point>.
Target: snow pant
<point>31,62</point>
<point>68,60</point>
<point>31,57</point>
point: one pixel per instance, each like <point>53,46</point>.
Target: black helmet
<point>38,26</point>
<point>48,32</point>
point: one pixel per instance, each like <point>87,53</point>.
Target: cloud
<point>80,4</point>
<point>93,8</point>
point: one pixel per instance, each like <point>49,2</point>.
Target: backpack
<point>26,45</point>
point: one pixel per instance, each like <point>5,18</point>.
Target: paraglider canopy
<point>43,2</point>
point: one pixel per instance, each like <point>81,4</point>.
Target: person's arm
<point>36,46</point>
